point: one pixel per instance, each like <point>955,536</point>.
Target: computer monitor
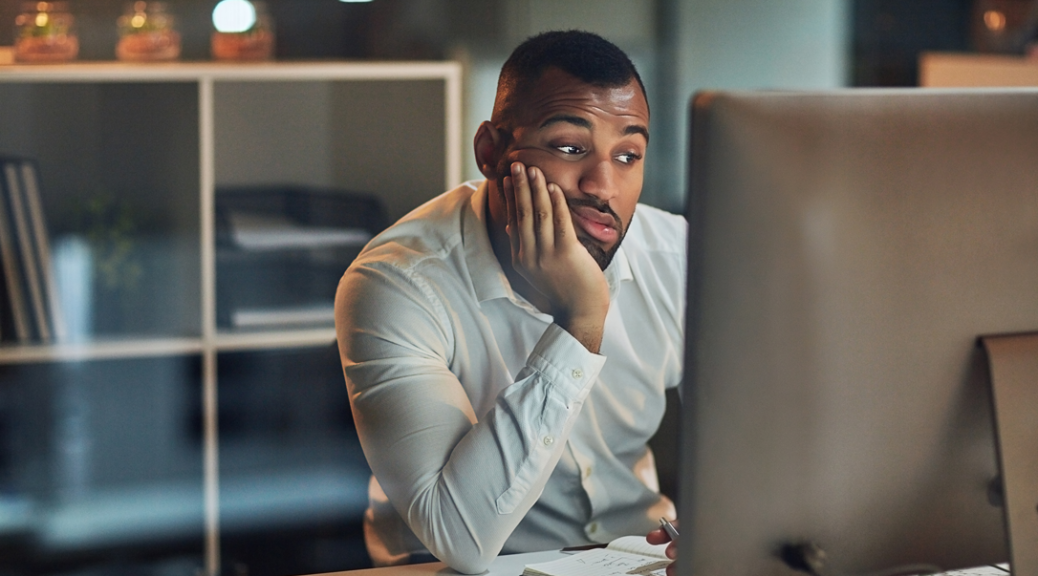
<point>846,250</point>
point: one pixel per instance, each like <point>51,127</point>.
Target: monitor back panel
<point>846,250</point>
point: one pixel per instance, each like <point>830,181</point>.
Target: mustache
<point>602,207</point>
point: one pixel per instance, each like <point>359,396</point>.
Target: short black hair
<point>583,55</point>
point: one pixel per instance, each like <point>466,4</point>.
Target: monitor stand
<point>1013,365</point>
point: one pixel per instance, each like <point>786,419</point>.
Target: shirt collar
<point>488,278</point>
<point>618,271</point>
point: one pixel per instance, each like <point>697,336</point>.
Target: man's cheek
<point>535,157</point>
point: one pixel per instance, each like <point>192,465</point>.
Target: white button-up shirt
<point>488,428</point>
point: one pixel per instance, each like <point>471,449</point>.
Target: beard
<point>601,257</point>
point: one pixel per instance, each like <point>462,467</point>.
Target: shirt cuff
<point>566,362</point>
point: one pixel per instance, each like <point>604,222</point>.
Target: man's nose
<point>599,179</point>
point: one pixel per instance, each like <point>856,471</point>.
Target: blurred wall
<point>742,44</point>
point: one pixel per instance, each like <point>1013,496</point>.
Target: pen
<point>669,529</point>
<point>582,548</point>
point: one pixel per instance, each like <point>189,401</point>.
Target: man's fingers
<point>657,536</point>
<point>562,222</point>
<point>513,228</point>
<point>543,210</point>
<point>523,207</point>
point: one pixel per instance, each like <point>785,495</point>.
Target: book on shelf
<point>31,298</point>
<point>25,239</point>
<point>625,555</point>
<point>30,179</point>
<point>16,315</point>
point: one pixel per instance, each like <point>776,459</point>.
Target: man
<point>506,357</point>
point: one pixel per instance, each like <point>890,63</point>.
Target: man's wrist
<point>586,329</point>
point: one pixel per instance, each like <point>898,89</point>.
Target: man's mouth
<point>602,226</point>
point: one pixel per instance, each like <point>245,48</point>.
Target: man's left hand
<point>547,253</point>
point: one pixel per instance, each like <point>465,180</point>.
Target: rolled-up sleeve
<point>461,483</point>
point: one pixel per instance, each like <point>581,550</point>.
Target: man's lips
<point>601,226</point>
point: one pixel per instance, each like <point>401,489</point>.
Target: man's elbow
<point>441,527</point>
<point>468,563</point>
<point>462,551</point>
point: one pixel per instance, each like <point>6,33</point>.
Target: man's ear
<point>487,146</point>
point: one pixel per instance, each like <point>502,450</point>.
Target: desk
<point>510,565</point>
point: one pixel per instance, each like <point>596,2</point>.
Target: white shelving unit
<point>393,129</point>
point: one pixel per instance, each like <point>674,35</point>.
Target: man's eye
<point>569,149</point>
<point>628,157</point>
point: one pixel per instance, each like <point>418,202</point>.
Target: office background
<point>77,439</point>
<point>679,45</point>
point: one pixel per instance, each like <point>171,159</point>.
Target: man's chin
<point>602,256</point>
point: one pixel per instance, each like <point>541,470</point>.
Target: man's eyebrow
<point>575,120</point>
<point>637,129</point>
<point>584,123</point>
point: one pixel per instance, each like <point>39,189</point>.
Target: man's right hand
<point>659,536</point>
<point>546,252</point>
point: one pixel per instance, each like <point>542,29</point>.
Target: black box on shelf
<point>280,251</point>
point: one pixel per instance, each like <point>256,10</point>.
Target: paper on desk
<point>260,232</point>
<point>600,562</point>
<point>639,545</point>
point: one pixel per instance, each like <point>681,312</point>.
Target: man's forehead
<point>558,96</point>
<point>630,127</point>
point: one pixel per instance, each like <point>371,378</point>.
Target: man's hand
<point>546,252</point>
<point>658,536</point>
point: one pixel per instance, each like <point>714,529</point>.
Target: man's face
<point>591,142</point>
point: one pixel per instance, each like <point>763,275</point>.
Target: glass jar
<point>244,31</point>
<point>45,32</point>
<point>147,32</point>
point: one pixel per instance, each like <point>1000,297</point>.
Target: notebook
<point>626,555</point>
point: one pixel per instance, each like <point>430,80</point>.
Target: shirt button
<point>587,472</point>
<point>593,527</point>
<point>548,440</point>
<point>577,373</point>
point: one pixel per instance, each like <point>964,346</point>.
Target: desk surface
<point>511,565</point>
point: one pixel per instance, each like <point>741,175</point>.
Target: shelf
<point>186,71</point>
<point>164,438</point>
<point>301,338</point>
<point>155,347</point>
<point>99,350</point>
